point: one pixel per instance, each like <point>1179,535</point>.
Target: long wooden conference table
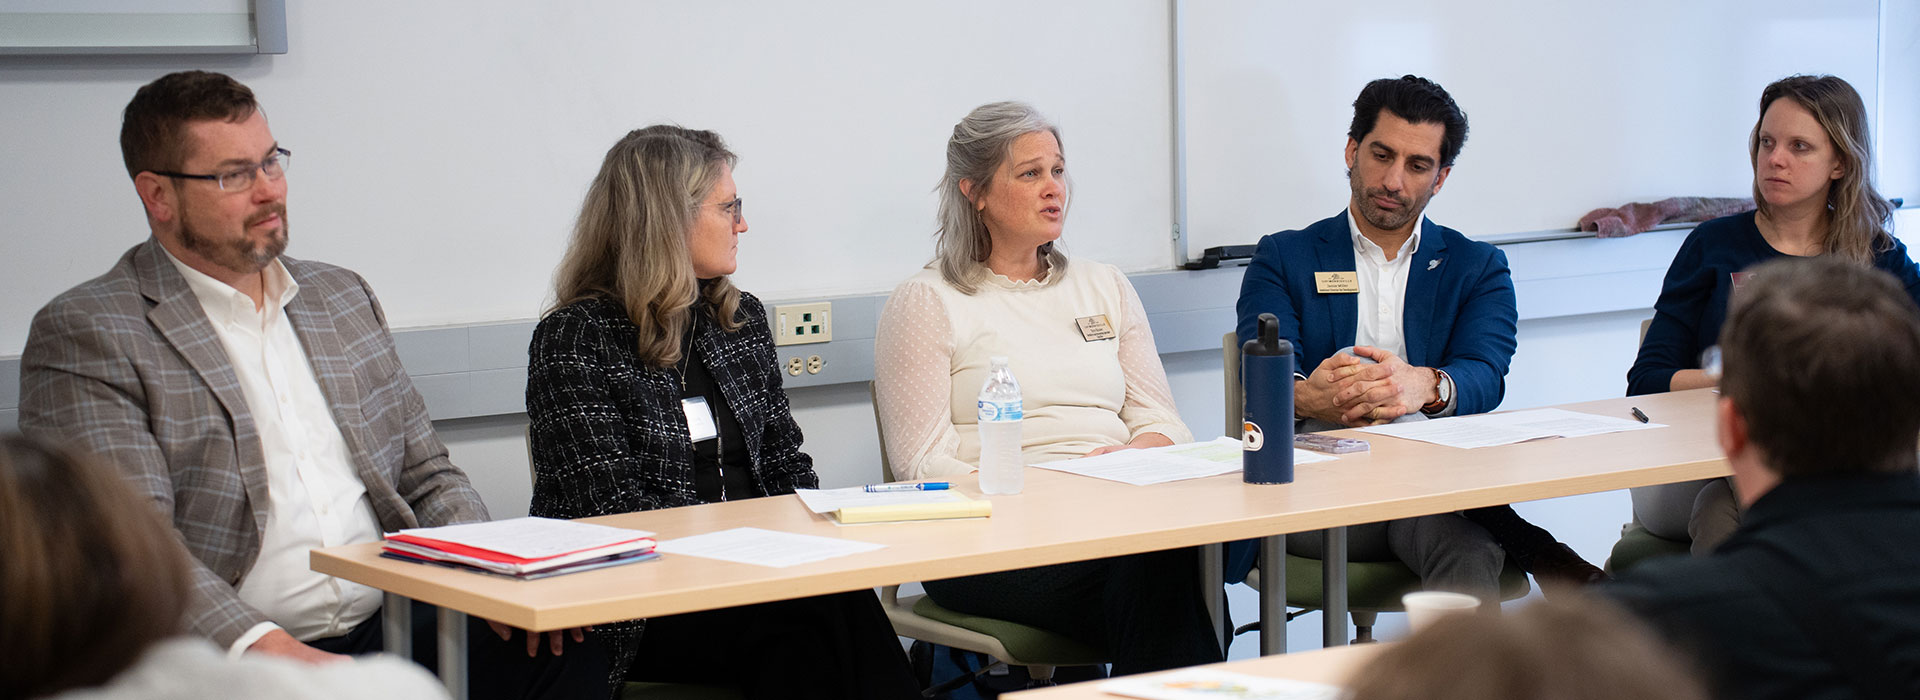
<point>1058,518</point>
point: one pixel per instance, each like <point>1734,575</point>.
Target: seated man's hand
<point>1315,397</point>
<point>555,639</point>
<point>1381,392</point>
<point>279,643</point>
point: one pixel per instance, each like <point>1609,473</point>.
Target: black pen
<point>1639,415</point>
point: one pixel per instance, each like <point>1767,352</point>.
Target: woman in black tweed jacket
<point>653,384</point>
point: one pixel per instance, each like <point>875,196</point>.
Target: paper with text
<point>1160,465</point>
<point>752,545</point>
<point>1493,429</point>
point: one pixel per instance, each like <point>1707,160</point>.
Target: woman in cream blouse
<point>1000,285</point>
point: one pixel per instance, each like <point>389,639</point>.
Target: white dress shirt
<point>314,497</point>
<point>1383,294</point>
<point>1383,290</point>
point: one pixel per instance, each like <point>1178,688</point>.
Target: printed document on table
<point>1226,450</point>
<point>752,545</point>
<point>1508,428</point>
<point>830,500</point>
<point>530,537</point>
<point>1208,684</point>
<point>1160,465</point>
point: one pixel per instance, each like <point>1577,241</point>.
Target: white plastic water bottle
<point>1001,468</point>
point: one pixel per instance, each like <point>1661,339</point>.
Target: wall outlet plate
<point>797,324</point>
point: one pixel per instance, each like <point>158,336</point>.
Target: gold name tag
<point>1337,282</point>
<point>1094,327</point>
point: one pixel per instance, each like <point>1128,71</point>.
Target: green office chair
<point>1372,587</point>
<point>1008,643</point>
<point>1637,546</point>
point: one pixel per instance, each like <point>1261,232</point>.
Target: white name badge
<point>700,425</point>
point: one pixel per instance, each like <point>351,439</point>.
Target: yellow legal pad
<point>963,508</point>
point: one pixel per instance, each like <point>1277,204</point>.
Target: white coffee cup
<point>1424,607</point>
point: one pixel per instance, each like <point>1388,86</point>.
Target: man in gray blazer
<point>257,399</point>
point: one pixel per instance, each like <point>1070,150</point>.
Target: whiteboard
<point>1571,106</point>
<point>442,148</point>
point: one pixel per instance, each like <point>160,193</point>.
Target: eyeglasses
<point>1710,363</point>
<point>737,208</point>
<point>241,178</point>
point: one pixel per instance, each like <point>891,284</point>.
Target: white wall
<point>442,146</point>
<point>1572,105</point>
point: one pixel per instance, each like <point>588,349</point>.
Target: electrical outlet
<point>814,364</point>
<point>794,367</point>
<point>796,324</point>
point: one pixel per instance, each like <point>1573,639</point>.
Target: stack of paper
<point>857,505</point>
<point>522,547</point>
<point>1493,429</point>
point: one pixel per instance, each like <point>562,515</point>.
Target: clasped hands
<point>1353,392</point>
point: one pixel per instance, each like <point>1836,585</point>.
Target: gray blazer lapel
<point>176,313</point>
<point>313,323</point>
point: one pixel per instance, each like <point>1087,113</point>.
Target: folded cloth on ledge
<point>1640,216</point>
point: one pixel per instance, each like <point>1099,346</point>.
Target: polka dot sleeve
<point>912,381</point>
<point>1149,404</point>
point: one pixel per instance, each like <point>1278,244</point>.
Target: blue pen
<point>928,486</point>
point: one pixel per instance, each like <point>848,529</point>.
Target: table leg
<point>1273,595</point>
<point>1333,587</point>
<point>397,625</point>
<point>1213,585</point>
<point>453,652</point>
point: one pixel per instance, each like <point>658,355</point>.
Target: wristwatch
<point>1442,393</point>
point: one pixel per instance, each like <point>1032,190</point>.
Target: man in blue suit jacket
<point>1430,318</point>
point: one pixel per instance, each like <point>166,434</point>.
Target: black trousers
<point>496,670</point>
<point>830,647</point>
<point>1146,610</point>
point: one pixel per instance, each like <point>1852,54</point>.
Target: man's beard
<point>240,255</point>
<point>1383,219</point>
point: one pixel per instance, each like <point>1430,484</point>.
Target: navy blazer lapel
<point>1423,283</point>
<point>1335,250</point>
<point>177,315</point>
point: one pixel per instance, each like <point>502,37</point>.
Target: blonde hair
<point>1581,648</point>
<point>630,243</point>
<point>1858,215</point>
<point>980,143</point>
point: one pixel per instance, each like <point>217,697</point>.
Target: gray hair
<point>980,143</point>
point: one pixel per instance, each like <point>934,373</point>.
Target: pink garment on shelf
<point>1641,216</point>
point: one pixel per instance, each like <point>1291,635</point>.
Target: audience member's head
<point>91,574</point>
<point>657,231</point>
<point>1820,362</point>
<point>1561,649</point>
<point>980,165</point>
<point>1811,146</point>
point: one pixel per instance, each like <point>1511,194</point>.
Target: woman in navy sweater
<point>1812,167</point>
